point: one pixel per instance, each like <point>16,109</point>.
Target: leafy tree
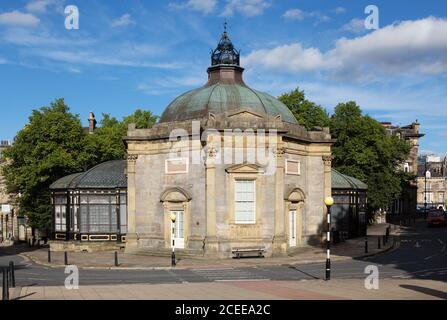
<point>46,149</point>
<point>365,151</point>
<point>307,113</point>
<point>143,119</point>
<point>52,145</point>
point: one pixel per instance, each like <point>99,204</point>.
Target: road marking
<point>243,280</point>
<point>440,241</point>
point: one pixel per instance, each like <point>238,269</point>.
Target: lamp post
<point>329,202</point>
<point>425,190</point>
<point>173,218</point>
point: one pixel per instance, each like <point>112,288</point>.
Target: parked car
<point>436,218</point>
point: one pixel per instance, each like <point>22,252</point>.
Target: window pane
<point>245,201</point>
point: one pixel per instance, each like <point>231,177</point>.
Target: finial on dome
<point>225,53</point>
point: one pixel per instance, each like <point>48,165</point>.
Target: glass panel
<point>99,199</point>
<point>245,201</point>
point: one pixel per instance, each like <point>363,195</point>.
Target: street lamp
<point>329,202</point>
<point>173,218</point>
<point>425,190</point>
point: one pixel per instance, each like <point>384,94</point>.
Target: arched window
<point>428,174</point>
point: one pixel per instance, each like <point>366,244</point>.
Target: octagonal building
<point>232,165</point>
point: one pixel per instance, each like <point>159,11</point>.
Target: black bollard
<point>49,255</point>
<point>366,244</point>
<point>5,289</point>
<point>12,275</point>
<point>66,258</point>
<point>116,259</point>
<point>384,240</point>
<point>378,242</point>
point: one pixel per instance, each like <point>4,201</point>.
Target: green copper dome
<point>221,98</point>
<point>224,92</point>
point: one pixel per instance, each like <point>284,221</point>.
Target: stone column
<point>131,203</point>
<point>279,239</point>
<point>211,244</point>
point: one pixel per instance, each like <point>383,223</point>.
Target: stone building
<point>407,203</point>
<point>233,165</point>
<point>229,162</point>
<point>432,182</point>
<point>8,220</point>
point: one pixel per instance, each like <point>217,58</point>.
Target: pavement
<point>352,289</point>
<point>351,249</point>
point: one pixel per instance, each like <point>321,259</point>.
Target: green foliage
<point>142,119</point>
<point>364,150</point>
<point>52,145</point>
<point>46,149</point>
<point>307,113</point>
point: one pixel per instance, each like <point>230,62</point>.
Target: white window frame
<point>290,172</point>
<point>177,159</point>
<point>247,222</point>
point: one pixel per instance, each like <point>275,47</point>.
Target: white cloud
<point>38,6</point>
<point>204,6</point>
<point>294,14</point>
<point>96,58</point>
<point>17,18</point>
<point>297,14</point>
<point>3,61</point>
<point>404,48</point>
<point>123,21</point>
<point>249,8</point>
<point>355,26</point>
<point>340,10</point>
<point>291,57</point>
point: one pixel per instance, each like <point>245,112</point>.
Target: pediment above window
<point>175,194</point>
<point>245,168</point>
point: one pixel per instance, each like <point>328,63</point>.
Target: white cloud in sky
<point>340,10</point>
<point>3,61</point>
<point>294,14</point>
<point>249,8</point>
<point>203,6</point>
<point>20,19</point>
<point>39,6</point>
<point>355,26</point>
<point>298,14</point>
<point>411,46</point>
<point>123,21</point>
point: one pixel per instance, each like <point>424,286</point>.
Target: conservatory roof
<point>342,181</point>
<point>107,175</point>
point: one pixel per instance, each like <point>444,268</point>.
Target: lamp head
<point>329,201</point>
<point>173,217</point>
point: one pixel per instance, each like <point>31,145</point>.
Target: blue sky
<point>135,53</point>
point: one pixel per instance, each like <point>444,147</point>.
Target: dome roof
<point>107,175</point>
<point>224,92</point>
<point>221,98</point>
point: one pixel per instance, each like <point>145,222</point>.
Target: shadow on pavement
<point>428,291</point>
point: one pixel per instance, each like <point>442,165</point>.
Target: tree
<point>107,142</point>
<point>142,119</point>
<point>365,151</point>
<point>307,113</point>
<point>52,145</point>
<point>46,149</point>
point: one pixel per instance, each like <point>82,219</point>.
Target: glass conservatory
<point>349,210</point>
<point>91,206</point>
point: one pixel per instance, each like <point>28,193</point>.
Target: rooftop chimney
<point>91,123</point>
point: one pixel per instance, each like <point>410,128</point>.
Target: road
<point>421,255</point>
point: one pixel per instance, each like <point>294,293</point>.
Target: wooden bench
<point>249,251</point>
